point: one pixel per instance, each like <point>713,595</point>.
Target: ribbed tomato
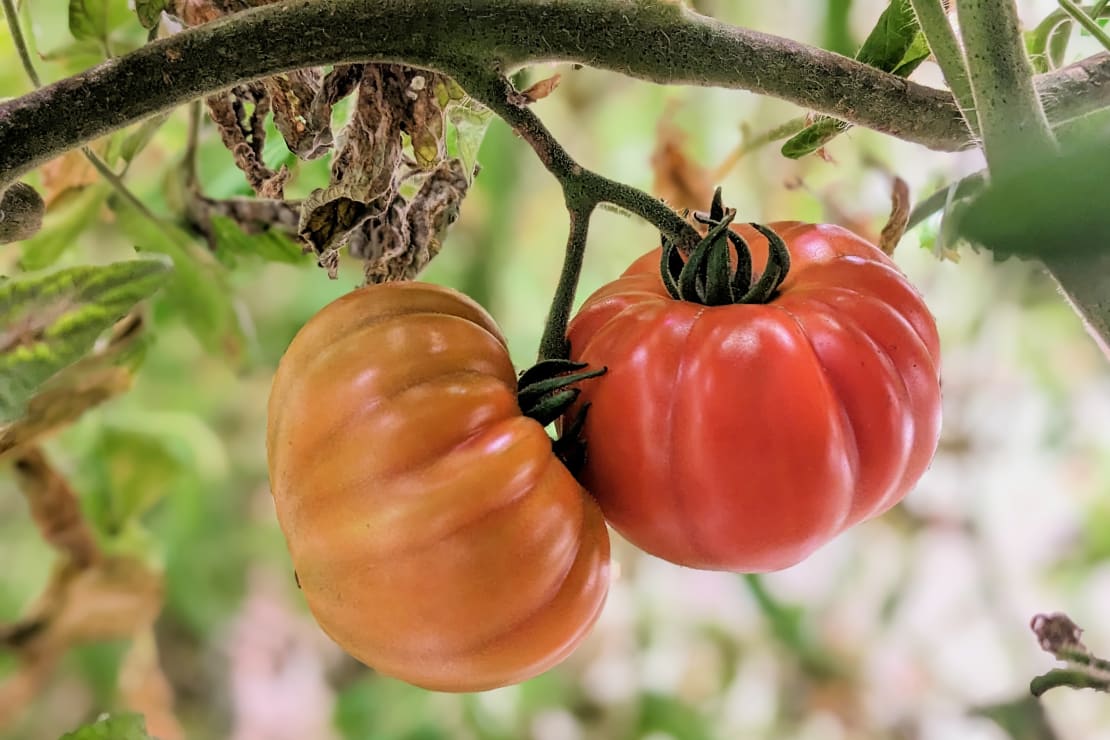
<point>742,437</point>
<point>435,535</point>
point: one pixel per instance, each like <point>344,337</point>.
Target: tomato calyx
<point>544,390</point>
<point>544,393</point>
<point>707,276</point>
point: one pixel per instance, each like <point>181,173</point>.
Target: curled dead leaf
<point>679,181</point>
<point>541,89</point>
<point>62,174</point>
<point>899,218</point>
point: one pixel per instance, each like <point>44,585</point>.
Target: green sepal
<point>546,369</point>
<point>670,265</point>
<point>742,278</point>
<point>549,408</point>
<point>692,280</point>
<point>717,207</point>
<point>778,263</point>
<point>532,395</point>
<point>544,390</point>
<point>718,286</point>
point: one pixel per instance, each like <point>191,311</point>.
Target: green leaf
<point>88,19</point>
<point>1052,206</point>
<point>1052,210</point>
<point>469,124</point>
<point>62,226</point>
<point>130,471</point>
<point>199,291</point>
<point>271,245</point>
<point>1022,719</point>
<point>83,50</point>
<point>813,137</point>
<point>667,716</point>
<point>386,710</point>
<point>896,45</point>
<point>892,37</point>
<point>51,321</point>
<point>917,53</point>
<point>149,11</point>
<point>137,140</point>
<point>115,727</point>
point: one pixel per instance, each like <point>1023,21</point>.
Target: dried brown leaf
<point>899,218</point>
<point>400,245</point>
<point>114,598</point>
<point>55,508</point>
<point>292,96</point>
<point>1057,633</point>
<point>245,135</point>
<point>679,181</point>
<point>541,89</point>
<point>144,688</point>
<point>68,172</point>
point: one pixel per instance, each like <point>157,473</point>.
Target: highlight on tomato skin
<point>743,437</point>
<point>435,535</point>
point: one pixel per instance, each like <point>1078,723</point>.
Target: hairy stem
<point>98,164</point>
<point>20,43</point>
<point>751,144</point>
<point>581,186</point>
<point>582,189</point>
<point>1059,677</point>
<point>553,344</point>
<point>659,42</point>
<point>1087,21</point>
<point>1012,121</point>
<point>942,41</point>
<point>969,185</point>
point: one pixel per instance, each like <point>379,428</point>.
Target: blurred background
<point>911,626</point>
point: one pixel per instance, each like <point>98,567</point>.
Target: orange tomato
<point>434,533</point>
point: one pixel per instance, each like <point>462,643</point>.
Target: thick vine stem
<point>656,41</point>
<point>1012,122</point>
<point>933,20</point>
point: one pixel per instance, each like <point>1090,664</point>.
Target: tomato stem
<point>553,343</point>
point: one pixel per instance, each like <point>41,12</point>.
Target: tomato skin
<point>744,437</point>
<point>434,533</point>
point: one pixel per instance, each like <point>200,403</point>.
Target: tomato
<point>743,437</point>
<point>434,533</point>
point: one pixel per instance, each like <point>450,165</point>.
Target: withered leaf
<point>541,89</point>
<point>899,216</point>
<point>68,172</point>
<point>401,243</point>
<point>245,136</point>
<point>680,181</point>
<point>292,96</point>
<point>328,215</point>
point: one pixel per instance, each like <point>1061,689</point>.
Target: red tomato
<point>743,437</point>
<point>434,533</point>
